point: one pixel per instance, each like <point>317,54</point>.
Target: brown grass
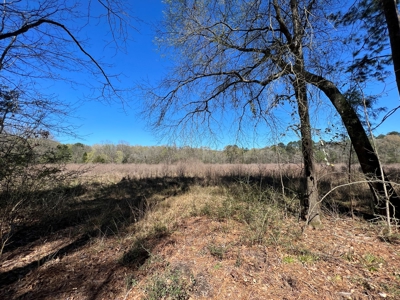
<point>198,232</point>
<point>194,169</point>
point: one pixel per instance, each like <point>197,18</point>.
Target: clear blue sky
<point>101,122</point>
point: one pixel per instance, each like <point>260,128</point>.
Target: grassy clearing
<point>192,237</point>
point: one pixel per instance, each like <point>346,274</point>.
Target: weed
<point>206,210</point>
<point>218,266</point>
<point>130,281</point>
<point>226,210</point>
<point>194,212</point>
<point>170,285</point>
<point>397,275</point>
<point>305,256</point>
<point>239,260</point>
<point>393,238</point>
<point>372,263</point>
<point>392,289</point>
<point>337,278</point>
<point>365,283</point>
<point>217,251</point>
<point>288,259</point>
<point>308,258</point>
<point>257,207</point>
<point>349,255</point>
<point>159,230</point>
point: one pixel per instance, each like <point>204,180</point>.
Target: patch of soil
<point>345,259</point>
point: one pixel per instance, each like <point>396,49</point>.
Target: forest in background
<point>315,217</point>
<point>388,147</point>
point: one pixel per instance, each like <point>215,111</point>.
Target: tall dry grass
<point>282,177</point>
<point>190,169</point>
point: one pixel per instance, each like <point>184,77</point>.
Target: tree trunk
<point>393,24</point>
<point>310,202</point>
<point>367,157</point>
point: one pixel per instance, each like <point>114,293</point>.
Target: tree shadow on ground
<point>94,212</point>
<point>15,274</point>
<point>337,201</point>
<point>100,211</point>
<point>89,279</point>
<point>109,209</point>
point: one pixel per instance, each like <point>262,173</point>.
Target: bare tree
<point>243,57</point>
<point>47,40</point>
<point>246,58</point>
<point>41,43</point>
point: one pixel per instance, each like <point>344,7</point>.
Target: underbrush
<point>260,209</point>
<point>35,195</point>
<point>53,200</point>
<point>134,219</point>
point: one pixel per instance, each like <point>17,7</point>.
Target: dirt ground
<point>205,258</point>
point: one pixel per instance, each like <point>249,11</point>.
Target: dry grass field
<point>194,231</point>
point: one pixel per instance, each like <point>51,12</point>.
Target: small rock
<point>383,295</point>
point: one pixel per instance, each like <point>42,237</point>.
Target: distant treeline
<point>325,152</point>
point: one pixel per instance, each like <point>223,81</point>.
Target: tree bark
<point>367,157</point>
<point>310,203</point>
<point>393,24</point>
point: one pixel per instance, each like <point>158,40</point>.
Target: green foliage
<point>159,231</point>
<point>78,151</point>
<point>319,156</point>
<point>32,176</point>
<point>370,56</point>
<point>307,257</point>
<point>258,207</point>
<point>85,157</point>
<point>15,154</point>
<point>9,102</point>
<point>389,149</point>
<point>61,154</point>
<point>119,157</point>
<point>337,152</point>
<point>288,259</point>
<point>372,262</point>
<point>234,154</point>
<point>90,156</point>
<point>130,281</point>
<point>394,133</point>
<point>303,256</point>
<point>293,148</point>
<point>100,159</point>
<point>359,102</point>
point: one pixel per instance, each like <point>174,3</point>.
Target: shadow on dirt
<point>13,275</point>
<point>108,209</point>
<point>87,279</point>
<point>97,211</point>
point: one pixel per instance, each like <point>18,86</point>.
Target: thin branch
<point>30,26</point>
<point>391,112</point>
<point>3,55</point>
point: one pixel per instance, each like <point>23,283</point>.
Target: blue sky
<point>98,122</point>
